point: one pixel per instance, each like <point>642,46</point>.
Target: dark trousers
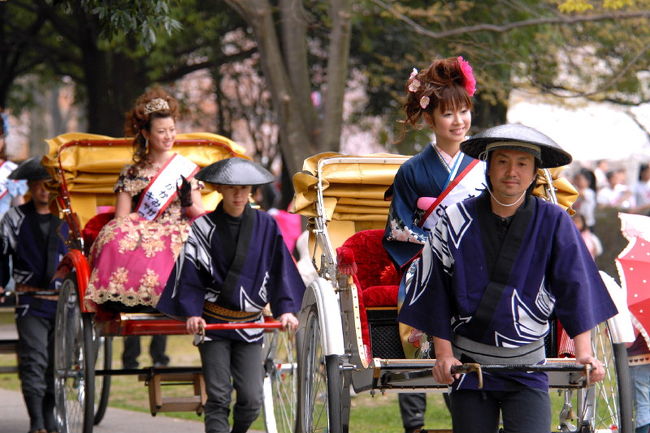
<point>412,407</point>
<point>132,350</point>
<point>527,410</point>
<point>229,364</point>
<point>35,368</point>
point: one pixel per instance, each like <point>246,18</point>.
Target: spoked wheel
<point>280,382</point>
<point>323,391</point>
<point>74,374</point>
<point>606,406</point>
<point>103,360</point>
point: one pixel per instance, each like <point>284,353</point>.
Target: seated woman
<point>135,252</point>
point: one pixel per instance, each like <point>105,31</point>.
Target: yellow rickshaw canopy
<point>88,165</point>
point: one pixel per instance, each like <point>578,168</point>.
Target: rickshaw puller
<point>32,241</point>
<point>234,262</point>
<point>495,269</point>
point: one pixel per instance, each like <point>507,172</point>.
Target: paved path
<point>14,419</point>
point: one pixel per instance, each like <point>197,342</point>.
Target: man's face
<point>511,173</point>
<point>40,195</point>
<point>235,198</point>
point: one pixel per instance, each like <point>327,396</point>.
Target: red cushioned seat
<point>94,226</point>
<point>363,256</point>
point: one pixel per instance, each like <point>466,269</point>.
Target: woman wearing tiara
<point>156,197</point>
<point>440,99</point>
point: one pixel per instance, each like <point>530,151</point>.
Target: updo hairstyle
<point>155,103</point>
<point>446,83</point>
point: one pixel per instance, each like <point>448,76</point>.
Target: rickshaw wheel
<point>280,381</point>
<point>103,360</point>
<point>320,384</point>
<point>74,380</point>
<point>606,406</point>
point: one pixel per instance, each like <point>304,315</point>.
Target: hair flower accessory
<point>468,74</point>
<point>414,84</point>
<point>424,102</point>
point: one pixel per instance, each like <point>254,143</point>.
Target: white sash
<point>5,169</point>
<point>469,183</point>
<point>161,191</point>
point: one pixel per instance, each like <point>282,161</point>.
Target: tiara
<point>156,104</point>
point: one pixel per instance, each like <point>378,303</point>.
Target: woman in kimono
<point>441,98</point>
<point>234,263</point>
<point>495,270</point>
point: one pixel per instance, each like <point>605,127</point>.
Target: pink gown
<point>132,257</point>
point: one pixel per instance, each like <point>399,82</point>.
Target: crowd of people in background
<point>603,188</point>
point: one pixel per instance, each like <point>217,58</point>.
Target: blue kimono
<point>231,280</point>
<point>552,276</point>
<point>424,175</point>
<point>33,255</point>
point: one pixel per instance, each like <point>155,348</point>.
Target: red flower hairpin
<point>468,74</point>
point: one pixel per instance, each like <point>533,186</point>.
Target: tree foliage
<point>113,49</point>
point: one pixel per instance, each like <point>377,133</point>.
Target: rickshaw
<point>348,335</point>
<point>84,168</point>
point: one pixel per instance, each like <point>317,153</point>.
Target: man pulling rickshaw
<point>494,270</point>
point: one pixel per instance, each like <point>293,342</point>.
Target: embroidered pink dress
<point>132,257</point>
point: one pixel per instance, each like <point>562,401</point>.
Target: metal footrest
<point>159,403</point>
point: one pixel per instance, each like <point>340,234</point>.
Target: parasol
<point>633,265</point>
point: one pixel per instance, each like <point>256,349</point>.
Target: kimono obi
<point>215,311</point>
<point>530,353</point>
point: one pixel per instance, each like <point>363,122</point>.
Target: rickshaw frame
<point>331,352</point>
<point>83,332</point>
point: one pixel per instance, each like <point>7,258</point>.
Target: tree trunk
<point>295,139</point>
<point>294,42</point>
<point>337,74</point>
<point>113,82</point>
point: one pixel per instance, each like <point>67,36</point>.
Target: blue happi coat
<point>202,278</point>
<point>424,175</point>
<point>553,275</point>
<point>29,257</point>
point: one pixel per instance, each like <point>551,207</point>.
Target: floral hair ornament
<point>156,104</point>
<point>468,75</point>
<point>414,84</point>
<point>424,102</point>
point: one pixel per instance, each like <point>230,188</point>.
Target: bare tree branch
<point>638,123</point>
<point>560,19</point>
<point>610,83</point>
<point>181,71</point>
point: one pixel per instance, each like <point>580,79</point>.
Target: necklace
<point>503,204</point>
